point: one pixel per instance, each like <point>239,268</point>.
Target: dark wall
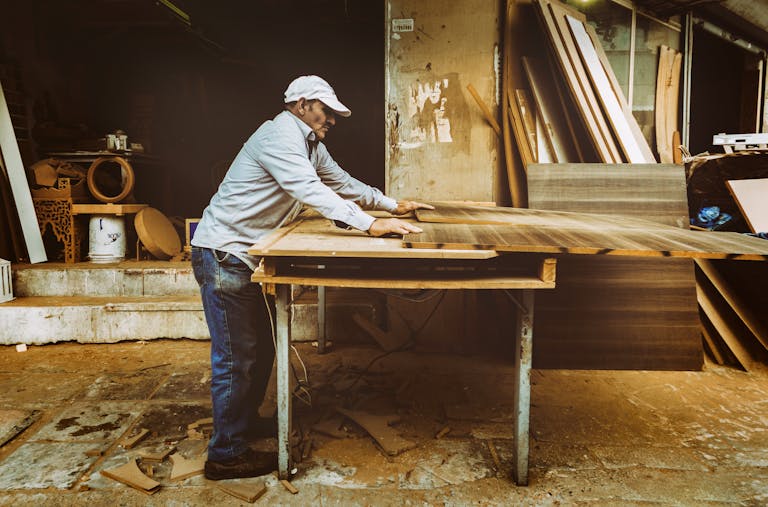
<point>717,71</point>
<point>192,95</point>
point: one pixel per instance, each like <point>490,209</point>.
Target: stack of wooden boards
<point>572,111</point>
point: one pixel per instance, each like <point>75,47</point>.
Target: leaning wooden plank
<point>556,131</point>
<point>521,137</point>
<point>512,157</point>
<point>131,475</point>
<point>755,323</point>
<point>15,238</point>
<point>570,66</point>
<point>635,147</point>
<point>710,342</point>
<point>660,115</point>
<point>751,198</point>
<point>9,150</point>
<point>724,328</point>
<point>484,108</point>
<point>528,115</point>
<point>378,426</point>
<point>544,152</point>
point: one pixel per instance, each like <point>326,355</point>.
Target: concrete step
<point>127,278</point>
<point>36,320</point>
<point>143,300</point>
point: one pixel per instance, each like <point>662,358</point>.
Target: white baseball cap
<point>315,87</point>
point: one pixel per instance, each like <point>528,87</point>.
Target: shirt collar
<point>307,132</point>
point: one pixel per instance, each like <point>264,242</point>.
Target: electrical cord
<point>405,345</point>
<point>302,385</point>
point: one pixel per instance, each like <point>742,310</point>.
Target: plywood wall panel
<point>439,145</point>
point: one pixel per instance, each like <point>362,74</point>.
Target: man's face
<point>319,117</point>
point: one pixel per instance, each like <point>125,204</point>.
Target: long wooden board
<point>318,237</point>
<point>589,237</point>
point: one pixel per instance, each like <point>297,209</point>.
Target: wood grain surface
<point>587,234</point>
<point>653,192</point>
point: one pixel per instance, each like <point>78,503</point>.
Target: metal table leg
<point>321,320</point>
<point>523,360</point>
<point>282,352</point>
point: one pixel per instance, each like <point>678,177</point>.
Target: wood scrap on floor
<point>330,427</point>
<point>245,491</point>
<point>387,341</point>
<point>378,427</point>
<point>130,442</point>
<point>156,456</point>
<point>14,422</point>
<point>289,487</point>
<point>130,475</point>
<point>184,467</point>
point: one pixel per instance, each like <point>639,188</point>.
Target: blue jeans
<point>242,351</point>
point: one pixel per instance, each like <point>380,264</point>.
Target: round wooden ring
<point>130,179</point>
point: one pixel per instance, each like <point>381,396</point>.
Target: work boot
<point>249,464</point>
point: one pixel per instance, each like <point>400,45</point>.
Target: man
<point>283,165</point>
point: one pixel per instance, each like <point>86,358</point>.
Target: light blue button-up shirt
<point>277,170</point>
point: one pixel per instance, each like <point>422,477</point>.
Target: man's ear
<point>301,106</point>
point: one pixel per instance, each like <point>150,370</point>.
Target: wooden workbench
<point>314,252</point>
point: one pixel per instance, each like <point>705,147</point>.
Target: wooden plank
<point>316,237</point>
<point>557,132</point>
<point>513,159</point>
<point>735,300</point>
<point>544,152</point>
<point>456,213</point>
<point>751,198</point>
<point>484,108</point>
<point>528,116</point>
<point>9,151</point>
<point>416,282</point>
<point>107,209</point>
<point>724,328</point>
<point>521,137</point>
<point>655,192</point>
<point>572,69</point>
<point>636,149</point>
<point>591,239</point>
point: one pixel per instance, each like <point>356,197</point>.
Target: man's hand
<point>382,226</point>
<point>404,207</point>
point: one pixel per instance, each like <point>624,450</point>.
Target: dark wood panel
<point>617,312</point>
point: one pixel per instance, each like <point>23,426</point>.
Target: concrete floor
<point>598,437</point>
